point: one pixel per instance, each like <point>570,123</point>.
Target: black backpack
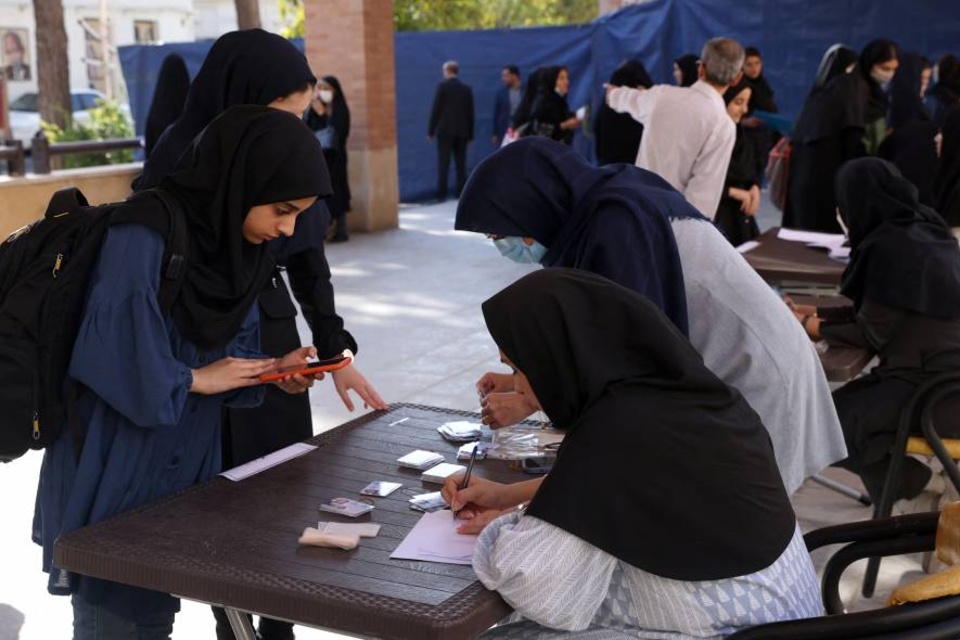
<point>45,271</point>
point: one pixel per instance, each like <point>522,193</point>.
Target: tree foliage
<point>439,15</point>
<point>107,121</point>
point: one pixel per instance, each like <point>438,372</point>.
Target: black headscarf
<point>530,93</point>
<point>906,105</point>
<point>550,108</point>
<point>946,92</point>
<point>837,101</point>
<point>663,466</point>
<point>742,172</point>
<point>242,67</point>
<point>947,185</point>
<point>169,96</point>
<point>618,135</point>
<point>249,156</point>
<point>761,96</point>
<point>614,221</point>
<point>688,68</point>
<point>876,52</point>
<point>903,255</point>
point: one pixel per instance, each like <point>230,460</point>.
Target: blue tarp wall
<point>791,34</point>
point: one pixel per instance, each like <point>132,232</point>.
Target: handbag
<point>327,138</point>
<point>778,172</point>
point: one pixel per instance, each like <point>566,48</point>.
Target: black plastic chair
<point>921,405</point>
<point>937,619</point>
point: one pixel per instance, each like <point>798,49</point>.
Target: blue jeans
<point>92,622</point>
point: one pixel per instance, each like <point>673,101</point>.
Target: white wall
<point>213,18</point>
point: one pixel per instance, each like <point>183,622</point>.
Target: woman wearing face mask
<point>741,199</point>
<point>551,114</point>
<point>912,323</point>
<point>878,64</point>
<point>329,113</point>
<point>154,384</point>
<point>631,226</point>
<point>621,540</point>
<point>843,105</point>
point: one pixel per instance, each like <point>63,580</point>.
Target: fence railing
<point>43,150</point>
<point>12,152</point>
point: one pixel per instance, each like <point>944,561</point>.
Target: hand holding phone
<point>309,368</point>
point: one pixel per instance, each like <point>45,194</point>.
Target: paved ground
<point>412,299</point>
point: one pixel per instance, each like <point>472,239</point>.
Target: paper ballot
<point>254,467</point>
<point>435,539</point>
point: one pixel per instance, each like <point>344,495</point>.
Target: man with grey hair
<point>451,122</point>
<point>688,137</point>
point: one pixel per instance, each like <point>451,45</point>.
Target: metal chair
<point>936,619</point>
<point>922,404</point>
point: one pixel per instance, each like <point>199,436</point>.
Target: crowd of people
<point>689,392</point>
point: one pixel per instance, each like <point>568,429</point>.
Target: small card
<point>362,529</point>
<point>346,507</point>
<point>380,488</point>
<point>428,502</point>
<point>420,460</point>
<point>440,473</point>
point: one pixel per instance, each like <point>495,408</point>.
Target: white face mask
<point>882,77</point>
<point>326,95</point>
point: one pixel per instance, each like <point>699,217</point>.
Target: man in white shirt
<point>687,135</point>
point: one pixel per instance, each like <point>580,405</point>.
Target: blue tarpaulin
<point>791,34</point>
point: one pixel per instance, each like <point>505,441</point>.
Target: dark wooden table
<point>840,364</point>
<point>235,543</point>
<point>778,261</point>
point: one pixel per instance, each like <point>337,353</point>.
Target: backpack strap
<point>175,252</point>
<point>65,201</point>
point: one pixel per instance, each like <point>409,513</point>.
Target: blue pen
<point>466,477</point>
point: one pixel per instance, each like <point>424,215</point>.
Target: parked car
<point>25,113</point>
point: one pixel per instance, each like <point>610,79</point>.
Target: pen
<point>466,477</point>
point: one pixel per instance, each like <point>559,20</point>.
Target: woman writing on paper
<point>620,540</point>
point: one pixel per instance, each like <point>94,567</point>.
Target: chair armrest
<point>883,529</point>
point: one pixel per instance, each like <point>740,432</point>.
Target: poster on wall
<point>16,56</point>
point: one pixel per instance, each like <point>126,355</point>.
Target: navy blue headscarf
<point>613,221</point>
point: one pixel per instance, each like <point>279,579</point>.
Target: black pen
<point>466,477</point>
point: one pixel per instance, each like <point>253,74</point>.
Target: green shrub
<point>107,121</point>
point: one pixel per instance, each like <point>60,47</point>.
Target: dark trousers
<point>447,145</point>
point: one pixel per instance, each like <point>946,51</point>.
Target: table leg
<point>240,624</point>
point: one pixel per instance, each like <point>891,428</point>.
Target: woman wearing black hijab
<point>904,280</point>
<point>155,384</point>
<point>542,202</point>
<point>618,135</point>
<point>169,96</point>
<point>657,451</point>
<point>841,120</point>
<point>685,69</point>
<point>329,113</point>
<point>947,185</point>
<point>521,119</point>
<point>551,115</point>
<point>911,144</point>
<point>946,92</point>
<point>741,191</point>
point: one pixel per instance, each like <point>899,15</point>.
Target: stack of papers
<point>835,243</point>
<point>428,502</point>
<point>461,431</point>
<point>440,473</point>
<point>435,539</point>
<point>466,451</point>
<point>420,460</point>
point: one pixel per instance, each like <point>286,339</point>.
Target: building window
<point>94,54</point>
<point>145,31</point>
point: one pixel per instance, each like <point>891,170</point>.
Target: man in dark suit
<point>507,101</point>
<point>451,122</point>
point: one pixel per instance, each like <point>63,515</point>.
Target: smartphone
<point>309,368</point>
<point>537,466</point>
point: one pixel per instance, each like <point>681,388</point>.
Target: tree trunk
<point>248,14</point>
<point>52,63</point>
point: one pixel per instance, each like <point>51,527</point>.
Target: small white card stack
<point>420,460</point>
<point>428,502</point>
<point>440,473</point>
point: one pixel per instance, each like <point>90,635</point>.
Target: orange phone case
<point>306,370</point>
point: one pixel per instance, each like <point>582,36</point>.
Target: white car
<point>25,113</point>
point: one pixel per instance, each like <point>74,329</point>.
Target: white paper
<point>812,237</point>
<point>435,539</point>
<point>749,245</point>
<point>268,462</point>
<point>362,529</point>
